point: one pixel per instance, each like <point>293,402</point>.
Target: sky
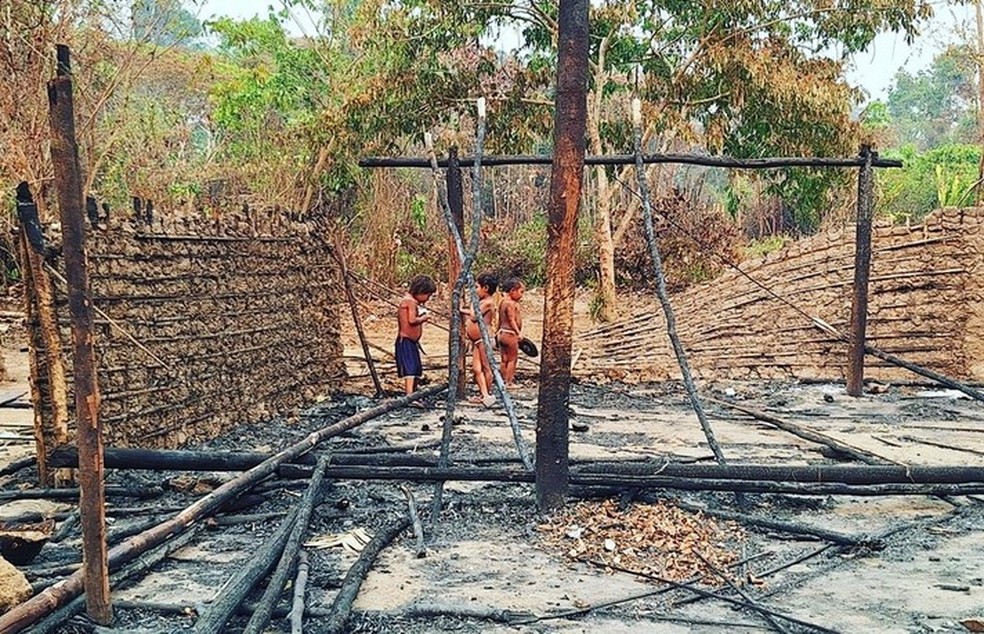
<point>873,70</point>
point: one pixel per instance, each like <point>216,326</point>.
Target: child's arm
<point>511,322</point>
<point>408,312</point>
<point>415,317</point>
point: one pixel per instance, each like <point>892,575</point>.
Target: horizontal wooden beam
<point>629,159</point>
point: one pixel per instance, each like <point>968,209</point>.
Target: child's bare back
<point>510,326</point>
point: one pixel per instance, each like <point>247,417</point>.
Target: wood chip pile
<point>654,539</point>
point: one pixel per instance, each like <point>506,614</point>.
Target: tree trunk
<point>606,295</point>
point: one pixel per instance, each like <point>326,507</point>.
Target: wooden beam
<point>58,595</point>
<point>89,436</point>
<point>862,270</point>
<point>648,159</point>
<point>566,181</point>
<point>456,202</point>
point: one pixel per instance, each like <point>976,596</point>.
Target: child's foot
<point>475,400</point>
<point>488,401</point>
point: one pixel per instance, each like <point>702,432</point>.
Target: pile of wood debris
<point>660,539</point>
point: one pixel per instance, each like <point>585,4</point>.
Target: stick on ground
<point>300,586</point>
<point>341,607</point>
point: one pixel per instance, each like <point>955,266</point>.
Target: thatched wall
<point>925,306</point>
<point>207,324</point>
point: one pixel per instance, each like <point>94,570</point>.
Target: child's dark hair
<point>489,281</point>
<point>422,285</point>
<point>511,283</point>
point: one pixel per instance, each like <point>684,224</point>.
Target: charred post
<point>456,201</point>
<point>71,205</point>
<point>570,126</point>
<point>48,374</point>
<point>862,269</point>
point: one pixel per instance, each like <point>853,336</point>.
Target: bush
<point>943,176</point>
<point>694,243</point>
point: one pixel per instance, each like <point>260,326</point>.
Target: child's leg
<point>509,357</point>
<point>477,370</point>
<point>487,371</point>
<point>410,384</point>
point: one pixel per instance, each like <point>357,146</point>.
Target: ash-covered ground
<point>490,567</point>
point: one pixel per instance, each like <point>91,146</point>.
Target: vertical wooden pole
<point>862,268</point>
<point>339,253</point>
<point>45,345</point>
<point>456,201</point>
<point>570,125</point>
<point>35,345</point>
<point>71,204</point>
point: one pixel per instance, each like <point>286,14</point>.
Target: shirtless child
<point>486,284</point>
<point>410,317</point>
<point>510,327</point>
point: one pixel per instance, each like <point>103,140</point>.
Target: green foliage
<point>935,106</point>
<point>518,251</point>
<point>764,246</point>
<point>273,91</point>
<point>418,211</point>
<point>939,177</point>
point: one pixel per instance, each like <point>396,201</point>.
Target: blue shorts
<point>408,358</point>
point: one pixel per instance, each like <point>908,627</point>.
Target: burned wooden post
<point>456,201</point>
<point>862,268</point>
<point>570,126</point>
<point>46,360</point>
<point>339,253</point>
<point>71,204</point>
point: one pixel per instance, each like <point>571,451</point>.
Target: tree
<point>744,79</point>
<point>937,105</point>
<point>163,22</point>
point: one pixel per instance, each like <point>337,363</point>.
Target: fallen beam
<point>73,493</point>
<point>52,598</point>
<point>264,609</point>
<point>182,460</point>
<point>856,453</point>
<point>17,465</point>
<point>835,537</point>
<point>615,474</point>
<point>234,591</point>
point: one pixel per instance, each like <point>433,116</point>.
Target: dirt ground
<point>488,555</point>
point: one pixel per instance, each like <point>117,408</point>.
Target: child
<point>486,284</point>
<point>411,316</point>
<point>510,327</point>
